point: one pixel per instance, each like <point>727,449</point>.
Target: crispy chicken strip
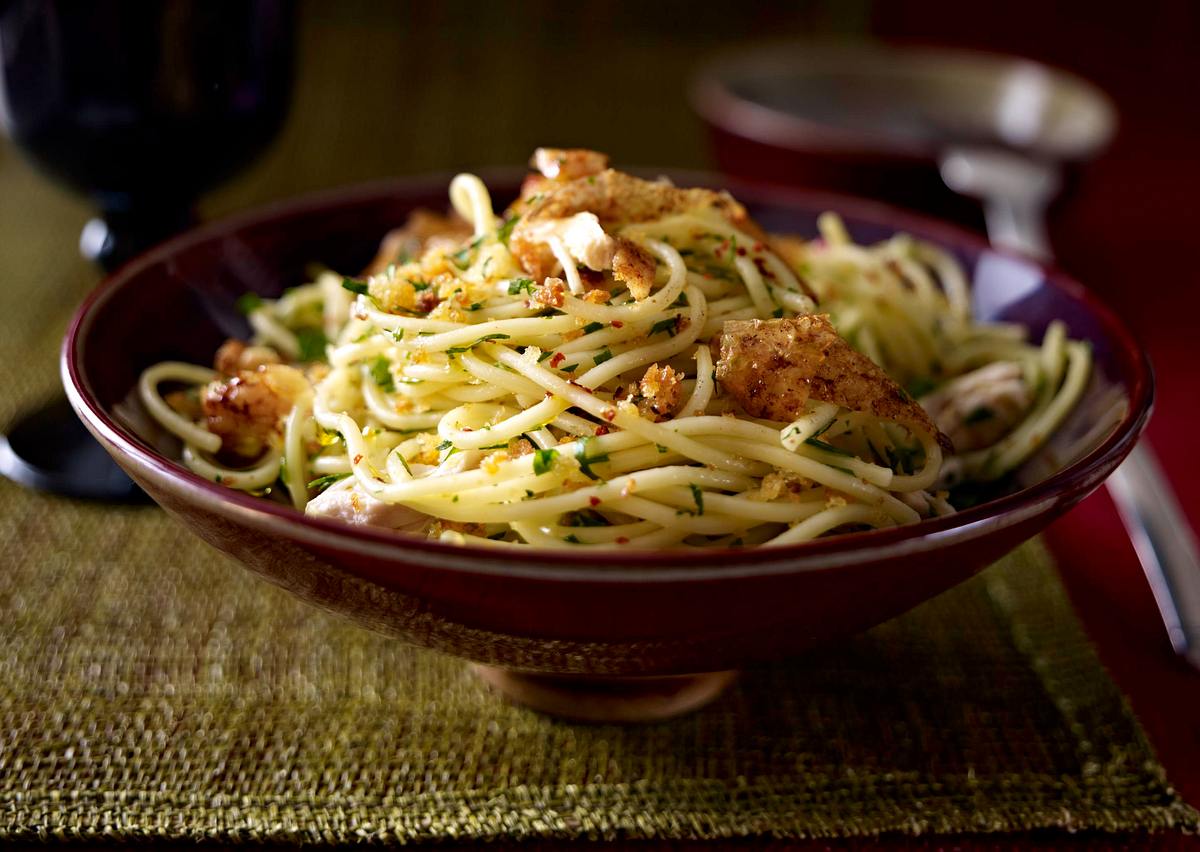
<point>568,163</point>
<point>772,368</point>
<point>247,409</point>
<point>614,199</point>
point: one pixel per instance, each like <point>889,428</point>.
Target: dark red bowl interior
<point>177,302</point>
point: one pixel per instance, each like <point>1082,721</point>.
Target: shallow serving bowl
<point>566,629</point>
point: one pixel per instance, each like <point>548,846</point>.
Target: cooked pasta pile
<point>613,362</point>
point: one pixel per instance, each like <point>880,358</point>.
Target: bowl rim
<point>717,104</point>
<point>617,566</point>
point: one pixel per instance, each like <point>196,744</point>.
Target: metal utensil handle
<point>1165,546</point>
<point>1015,192</point>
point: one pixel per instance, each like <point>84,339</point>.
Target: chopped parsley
<point>248,303</point>
<point>419,284</point>
<point>829,448</point>
<point>586,461</point>
<point>584,518</point>
<point>505,230</point>
<point>979,415</point>
<point>381,372</point>
<point>323,482</point>
<point>592,326</point>
<point>543,460</point>
<point>354,286</point>
<point>572,539</point>
<point>520,285</point>
<point>681,302</point>
<point>667,325</point>
<point>602,356</point>
<point>456,350</point>
<point>312,344</point>
<point>462,257</point>
<point>545,355</point>
<point>698,496</point>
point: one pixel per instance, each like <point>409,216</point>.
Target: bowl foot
<point>608,699</point>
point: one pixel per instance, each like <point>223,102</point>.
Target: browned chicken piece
<point>236,355</point>
<point>635,266</point>
<point>568,163</point>
<point>556,166</point>
<point>658,394</point>
<point>422,228</point>
<point>247,409</point>
<point>772,368</point>
<point>615,199</point>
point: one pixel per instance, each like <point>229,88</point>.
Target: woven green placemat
<point>150,688</point>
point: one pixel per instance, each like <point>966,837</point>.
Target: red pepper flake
<point>759,247</point>
<point>601,430</point>
<point>609,414</point>
<point>622,540</point>
<point>549,394</point>
<point>617,324</point>
<point>557,359</point>
<point>358,458</point>
<point>741,251</point>
<point>762,268</point>
<point>581,387</point>
<point>594,501</point>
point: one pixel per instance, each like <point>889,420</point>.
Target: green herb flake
<point>979,415</point>
<point>698,496</point>
<point>505,230</point>
<point>570,368</point>
<point>602,356</point>
<point>667,325</point>
<point>444,445</point>
<point>572,539</point>
<point>355,286</point>
<point>322,482</point>
<point>312,344</point>
<point>457,350</point>
<point>248,303</point>
<point>520,285</point>
<point>543,460</point>
<point>592,326</point>
<point>777,313</point>
<point>586,461</point>
<point>681,302</point>
<point>381,372</point>
<point>545,355</point>
<point>829,448</point>
<point>584,518</point>
<point>462,257</point>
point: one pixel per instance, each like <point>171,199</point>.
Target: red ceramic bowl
<point>562,617</point>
